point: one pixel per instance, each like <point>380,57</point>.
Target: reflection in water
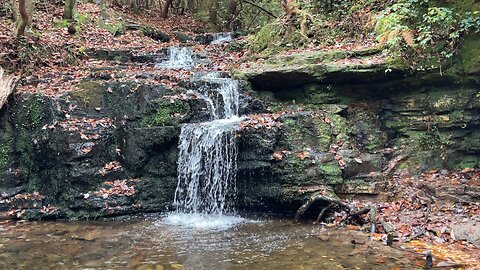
<point>153,243</point>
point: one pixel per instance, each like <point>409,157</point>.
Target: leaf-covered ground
<point>52,61</point>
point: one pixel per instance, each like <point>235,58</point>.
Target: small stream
<point>154,243</point>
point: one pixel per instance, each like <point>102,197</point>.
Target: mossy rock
<point>6,142</point>
<point>469,56</point>
<point>306,132</point>
<point>30,113</point>
<point>167,113</point>
<point>267,37</point>
<point>155,34</point>
<point>468,161</point>
<point>331,172</point>
<point>90,94</point>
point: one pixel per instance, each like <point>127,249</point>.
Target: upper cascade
<point>178,58</point>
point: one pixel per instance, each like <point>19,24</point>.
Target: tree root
<point>351,213</point>
<point>320,216</point>
<point>316,198</point>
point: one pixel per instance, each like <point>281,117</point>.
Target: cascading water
<point>222,38</point>
<point>206,186</point>
<point>178,58</point>
<point>208,152</point>
<point>206,167</point>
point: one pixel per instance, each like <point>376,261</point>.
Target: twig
<point>260,7</point>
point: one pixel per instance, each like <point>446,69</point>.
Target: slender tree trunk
<point>69,10</point>
<point>213,6</point>
<point>166,7</point>
<point>14,5</point>
<point>23,19</point>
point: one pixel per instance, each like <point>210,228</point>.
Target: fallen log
<point>7,84</point>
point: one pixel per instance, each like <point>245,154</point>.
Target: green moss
<point>32,112</point>
<point>469,56</point>
<point>307,131</point>
<point>468,161</point>
<point>6,148</point>
<point>90,94</point>
<point>332,173</point>
<point>267,37</point>
<point>6,143</point>
<point>470,143</point>
<point>297,171</point>
<point>168,113</point>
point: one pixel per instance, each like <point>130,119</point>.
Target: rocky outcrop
<point>351,123</point>
<point>318,123</point>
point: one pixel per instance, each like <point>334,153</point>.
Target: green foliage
<point>422,33</point>
<point>60,23</point>
<point>115,29</point>
<point>246,17</point>
<point>83,18</point>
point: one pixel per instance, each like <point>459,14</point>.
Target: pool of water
<point>177,242</point>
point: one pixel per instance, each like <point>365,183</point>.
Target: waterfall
<point>178,58</point>
<point>221,38</point>
<point>208,153</point>
<point>206,167</point>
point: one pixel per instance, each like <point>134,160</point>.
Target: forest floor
<point>50,54</point>
<point>51,61</point>
<point>423,214</point>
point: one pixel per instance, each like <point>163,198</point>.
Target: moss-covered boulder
<point>292,70</point>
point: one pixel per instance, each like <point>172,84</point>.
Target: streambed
<point>160,242</point>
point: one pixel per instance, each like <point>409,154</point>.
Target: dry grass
<point>7,83</point>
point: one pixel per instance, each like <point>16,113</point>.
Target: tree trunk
<point>166,7</point>
<point>69,10</point>
<point>23,19</point>
<point>7,83</point>
<point>14,5</point>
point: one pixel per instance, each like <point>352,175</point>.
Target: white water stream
<point>178,58</point>
<point>206,188</point>
<point>221,38</point>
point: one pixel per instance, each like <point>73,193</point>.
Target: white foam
<point>179,58</point>
<point>203,221</point>
<point>221,38</point>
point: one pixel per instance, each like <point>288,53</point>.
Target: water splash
<point>178,58</point>
<point>221,38</point>
<point>203,221</point>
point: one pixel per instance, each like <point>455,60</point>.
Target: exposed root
<point>320,216</point>
<point>351,213</point>
<point>316,197</point>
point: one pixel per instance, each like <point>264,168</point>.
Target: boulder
<point>467,231</point>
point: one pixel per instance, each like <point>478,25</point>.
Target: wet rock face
<point>89,153</point>
<point>352,135</point>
